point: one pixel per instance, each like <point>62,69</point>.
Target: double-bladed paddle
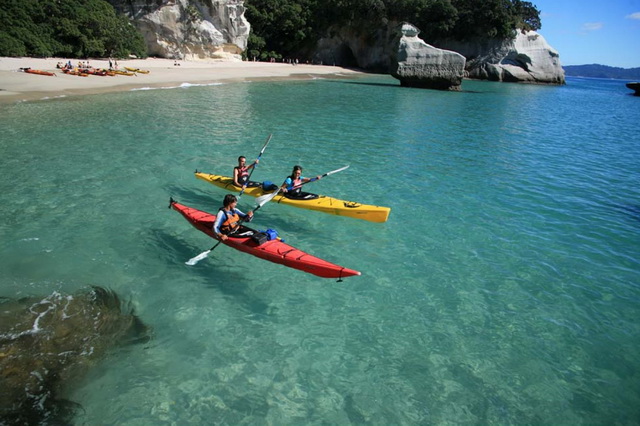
<point>263,199</point>
<point>204,254</point>
<point>255,165</point>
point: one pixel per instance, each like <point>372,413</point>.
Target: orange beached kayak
<point>274,250</point>
<point>39,72</point>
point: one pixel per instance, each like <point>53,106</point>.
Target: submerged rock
<point>48,343</point>
<point>418,64</point>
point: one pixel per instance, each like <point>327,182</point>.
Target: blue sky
<point>603,32</point>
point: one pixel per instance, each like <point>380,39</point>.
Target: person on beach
<point>229,218</point>
<point>241,172</point>
<point>293,183</point>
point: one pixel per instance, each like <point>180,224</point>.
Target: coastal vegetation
<point>69,28</point>
<point>279,28</point>
<point>291,27</point>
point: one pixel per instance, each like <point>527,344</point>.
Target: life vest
<point>294,188</point>
<point>243,174</point>
<point>231,224</point>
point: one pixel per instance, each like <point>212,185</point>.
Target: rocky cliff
<point>526,58</point>
<point>189,29</point>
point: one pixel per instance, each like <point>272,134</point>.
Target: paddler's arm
<point>235,177</point>
<point>305,180</point>
<point>288,183</point>
<point>216,226</point>
<point>244,215</point>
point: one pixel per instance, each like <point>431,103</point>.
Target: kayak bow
<point>322,203</point>
<point>275,251</point>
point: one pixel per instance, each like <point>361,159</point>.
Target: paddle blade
<point>336,171</point>
<point>198,258</point>
<point>264,199</point>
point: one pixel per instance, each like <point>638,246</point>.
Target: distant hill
<point>602,71</point>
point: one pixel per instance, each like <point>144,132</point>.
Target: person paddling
<point>241,172</point>
<point>229,218</point>
<point>292,184</point>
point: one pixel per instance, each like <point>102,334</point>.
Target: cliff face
<point>527,58</point>
<point>189,29</point>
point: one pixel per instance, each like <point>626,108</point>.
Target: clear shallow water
<point>503,289</point>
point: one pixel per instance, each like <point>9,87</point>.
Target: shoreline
<point>17,86</point>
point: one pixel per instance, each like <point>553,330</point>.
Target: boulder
<point>190,29</point>
<point>527,58</point>
<point>418,64</point>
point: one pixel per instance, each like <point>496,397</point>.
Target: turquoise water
<point>504,288</point>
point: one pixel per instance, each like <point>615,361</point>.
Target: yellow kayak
<point>137,70</point>
<point>322,203</point>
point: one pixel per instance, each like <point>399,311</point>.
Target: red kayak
<point>275,250</point>
<point>40,72</point>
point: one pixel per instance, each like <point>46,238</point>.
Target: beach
<point>19,86</point>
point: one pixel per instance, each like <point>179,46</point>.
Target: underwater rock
<point>48,343</point>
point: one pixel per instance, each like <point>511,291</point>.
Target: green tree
<point>70,28</point>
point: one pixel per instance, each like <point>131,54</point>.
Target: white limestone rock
<point>190,29</point>
<point>527,58</point>
<point>418,64</point>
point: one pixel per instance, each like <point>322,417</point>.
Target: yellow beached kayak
<point>322,203</point>
<point>137,70</point>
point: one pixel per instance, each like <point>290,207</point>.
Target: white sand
<point>18,86</point>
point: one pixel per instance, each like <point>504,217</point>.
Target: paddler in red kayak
<point>241,172</point>
<point>229,218</point>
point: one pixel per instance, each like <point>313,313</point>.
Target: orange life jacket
<point>231,224</point>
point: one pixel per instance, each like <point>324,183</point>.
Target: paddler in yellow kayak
<point>291,185</point>
<point>241,173</point>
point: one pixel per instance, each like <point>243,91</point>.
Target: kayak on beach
<point>75,71</point>
<point>258,244</point>
<point>320,203</point>
<point>39,72</point>
<point>122,72</point>
<point>137,70</point>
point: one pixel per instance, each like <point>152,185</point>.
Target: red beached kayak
<point>40,72</point>
<point>275,251</point>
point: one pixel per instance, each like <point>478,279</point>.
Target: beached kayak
<point>39,72</point>
<point>322,203</point>
<point>137,70</point>
<point>274,250</point>
<point>77,72</point>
